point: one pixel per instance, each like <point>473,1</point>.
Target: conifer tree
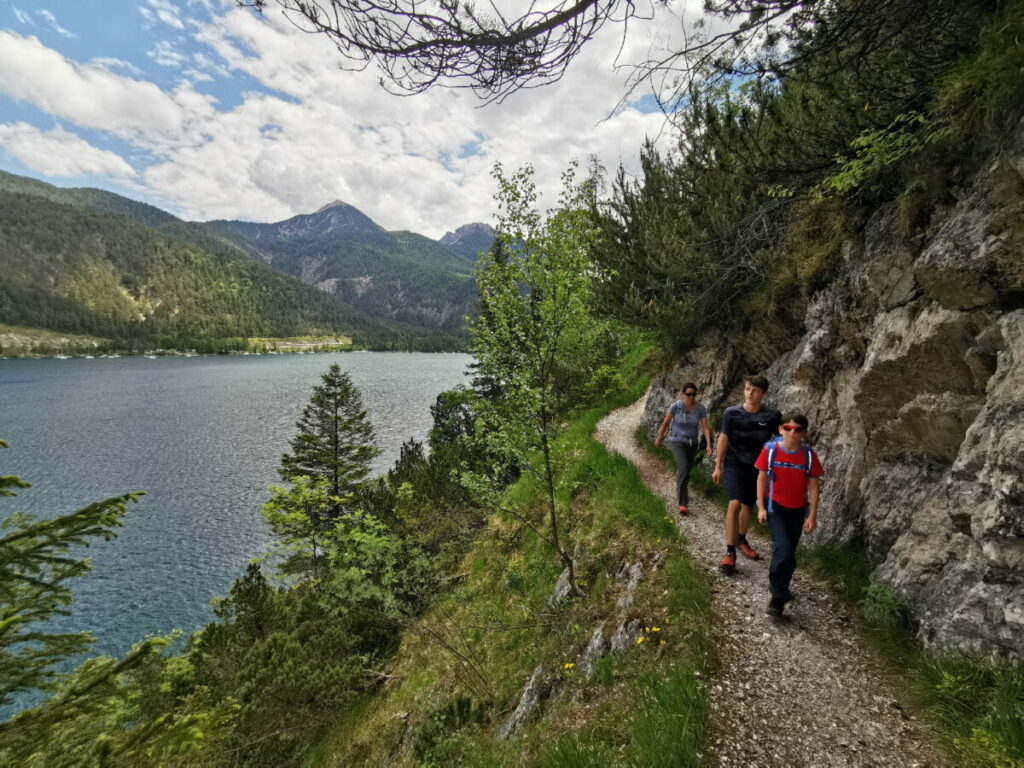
<point>335,439</point>
<point>35,565</point>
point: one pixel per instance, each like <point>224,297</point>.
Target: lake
<point>202,436</point>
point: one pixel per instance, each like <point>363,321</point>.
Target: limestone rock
<point>532,693</point>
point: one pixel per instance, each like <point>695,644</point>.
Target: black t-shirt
<point>748,432</point>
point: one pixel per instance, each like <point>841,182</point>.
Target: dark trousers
<point>786,525</point>
<point>684,455</point>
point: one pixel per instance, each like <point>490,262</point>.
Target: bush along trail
<point>797,692</point>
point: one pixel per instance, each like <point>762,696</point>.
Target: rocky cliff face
<point>911,369</point>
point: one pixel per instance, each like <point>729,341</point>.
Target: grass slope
<point>462,666</point>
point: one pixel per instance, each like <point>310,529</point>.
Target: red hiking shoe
<point>748,551</point>
<point>683,511</point>
<point>728,563</point>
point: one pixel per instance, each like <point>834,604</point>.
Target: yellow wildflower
<point>569,665</point>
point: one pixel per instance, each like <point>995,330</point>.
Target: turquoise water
<point>202,437</point>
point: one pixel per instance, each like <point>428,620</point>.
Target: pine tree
<point>35,564</point>
<point>335,439</point>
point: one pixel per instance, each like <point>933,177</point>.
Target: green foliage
<point>434,743</point>
<point>335,437</point>
<point>674,704</point>
<point>93,716</point>
<point>303,517</point>
<point>289,660</point>
<point>534,340</point>
<point>102,714</point>
<point>876,150</point>
<point>731,228</point>
<point>985,88</point>
<point>846,567</point>
<point>885,610</point>
<point>35,566</point>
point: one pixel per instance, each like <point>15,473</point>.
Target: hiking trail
<point>801,691</point>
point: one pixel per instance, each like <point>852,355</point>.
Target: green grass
<point>976,707</point>
<point>446,708</point>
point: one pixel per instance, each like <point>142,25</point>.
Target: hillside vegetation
<point>785,150</point>
<point>87,262</point>
<point>395,276</point>
<point>460,670</point>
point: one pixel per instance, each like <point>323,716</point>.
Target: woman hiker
<point>687,418</point>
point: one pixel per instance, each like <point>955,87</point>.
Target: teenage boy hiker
<point>745,430</point>
<point>787,499</point>
<point>687,418</point>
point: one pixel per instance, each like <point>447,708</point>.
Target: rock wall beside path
<point>911,370</point>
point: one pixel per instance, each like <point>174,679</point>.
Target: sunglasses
<point>792,428</point>
<point>690,394</point>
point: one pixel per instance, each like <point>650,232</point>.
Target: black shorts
<point>741,482</point>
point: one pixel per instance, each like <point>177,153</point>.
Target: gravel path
<point>797,692</point>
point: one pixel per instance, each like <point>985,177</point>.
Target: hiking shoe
<point>788,597</point>
<point>775,606</point>
<point>683,511</point>
<point>748,551</point>
<point>728,563</point>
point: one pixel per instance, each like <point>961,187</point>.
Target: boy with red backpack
<point>787,499</point>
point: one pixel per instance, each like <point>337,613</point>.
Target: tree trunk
<point>549,477</point>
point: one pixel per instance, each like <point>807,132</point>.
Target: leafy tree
<point>303,517</point>
<point>534,336</point>
<point>335,439</point>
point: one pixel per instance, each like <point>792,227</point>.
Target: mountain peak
<point>469,239</point>
<point>333,204</point>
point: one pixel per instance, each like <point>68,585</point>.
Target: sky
<point>211,111</point>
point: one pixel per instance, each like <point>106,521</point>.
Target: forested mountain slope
<point>67,268</point>
<point>87,261</point>
<point>397,276</point>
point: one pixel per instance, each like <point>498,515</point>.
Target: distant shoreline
<point>35,344</point>
<point>232,353</point>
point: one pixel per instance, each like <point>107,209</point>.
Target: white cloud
<point>23,16</point>
<point>58,152</point>
<point>92,96</point>
<point>51,21</point>
<point>111,64</point>
<point>161,10</point>
<point>326,133</point>
<point>166,54</point>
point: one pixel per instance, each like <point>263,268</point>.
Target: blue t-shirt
<point>685,424</point>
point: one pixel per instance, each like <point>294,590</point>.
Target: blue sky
<point>211,111</point>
